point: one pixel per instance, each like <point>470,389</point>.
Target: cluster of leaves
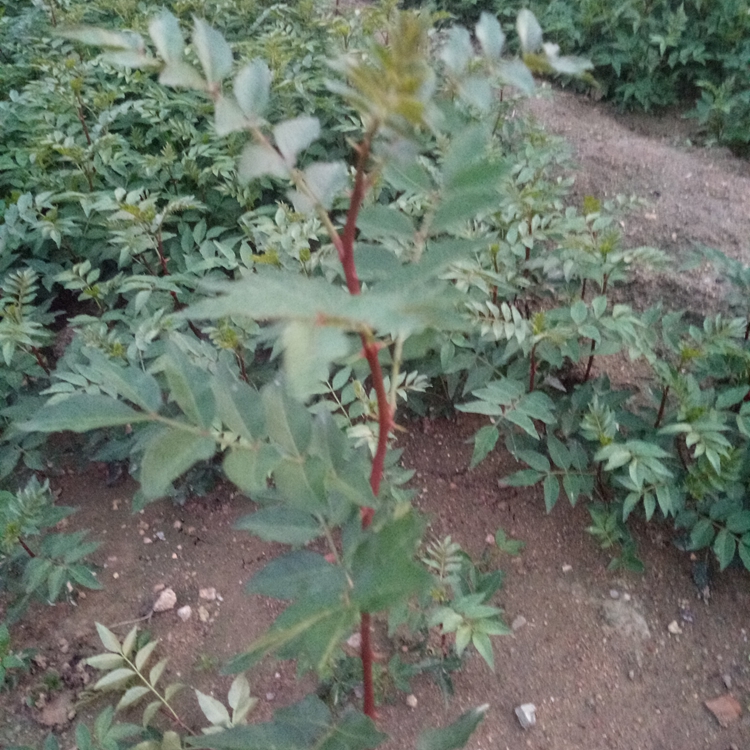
<point>652,53</point>
<point>468,268</point>
<point>125,667</point>
<point>116,201</point>
<point>36,561</point>
<point>306,724</point>
<point>179,389</point>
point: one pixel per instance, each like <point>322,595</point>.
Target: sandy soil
<point>694,196</point>
<point>594,654</point>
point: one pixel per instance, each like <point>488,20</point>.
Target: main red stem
<point>344,245</point>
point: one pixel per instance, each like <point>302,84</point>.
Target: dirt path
<point>694,196</point>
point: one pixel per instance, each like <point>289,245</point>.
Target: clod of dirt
<point>165,601</point>
<point>624,618</point>
<point>203,614</point>
<point>209,594</point>
<point>725,708</point>
<point>58,712</point>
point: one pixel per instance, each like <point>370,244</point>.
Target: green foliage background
<point>649,54</point>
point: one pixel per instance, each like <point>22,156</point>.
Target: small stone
<point>177,525</point>
<point>631,674</point>
<point>165,601</point>
<point>115,575</point>
<point>614,594</point>
<point>209,594</point>
<point>63,645</point>
<point>277,675</point>
<point>160,536</point>
<point>159,587</point>
<point>727,680</point>
<point>518,622</point>
<point>270,696</point>
<point>674,628</point>
<point>566,569</point>
<point>184,613</point>
<point>354,641</point>
<point>411,701</point>
<point>489,539</point>
<point>626,597</point>
<point>203,614</point>
<point>147,540</point>
<point>174,555</point>
<point>526,714</point>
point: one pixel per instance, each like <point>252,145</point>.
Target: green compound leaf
<point>296,574</point>
<point>167,37</point>
<point>213,51</point>
<point>280,523</point>
<point>168,455</point>
<point>82,413</point>
<point>251,89</point>
<point>454,736</point>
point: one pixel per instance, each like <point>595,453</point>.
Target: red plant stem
<point>241,362</point>
<point>26,548</point>
<point>591,362</point>
<point>747,330</point>
<point>346,249</point>
<point>165,270</point>
<point>82,119</point>
<point>662,406</point>
<point>40,360</point>
<point>344,245</point>
<point>532,371</point>
<point>160,253</point>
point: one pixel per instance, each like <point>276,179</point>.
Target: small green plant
<point>12,663</point>
<point>125,668</point>
<point>505,544</point>
<point>34,560</point>
<point>608,528</point>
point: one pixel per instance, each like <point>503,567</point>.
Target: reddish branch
<point>344,244</point>
<point>26,548</point>
<point>532,371</point>
<point>82,118</point>
<point>662,406</point>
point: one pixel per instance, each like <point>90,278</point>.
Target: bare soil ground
<point>694,196</point>
<point>594,653</point>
